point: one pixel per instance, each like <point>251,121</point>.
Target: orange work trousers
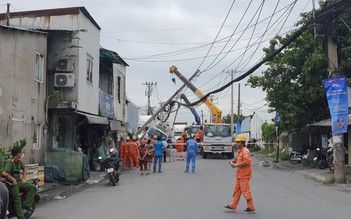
<point>135,158</point>
<point>125,158</point>
<point>242,186</point>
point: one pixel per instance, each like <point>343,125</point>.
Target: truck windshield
<point>153,131</point>
<point>217,130</point>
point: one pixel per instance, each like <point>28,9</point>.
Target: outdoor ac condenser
<point>64,80</point>
<point>65,65</point>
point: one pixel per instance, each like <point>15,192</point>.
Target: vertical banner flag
<point>238,127</point>
<point>336,89</point>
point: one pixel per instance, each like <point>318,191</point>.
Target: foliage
<point>227,118</point>
<point>5,153</point>
<point>268,132</point>
<point>284,155</point>
<point>293,79</point>
<point>329,180</point>
<point>56,96</point>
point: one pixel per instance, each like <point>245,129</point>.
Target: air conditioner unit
<point>66,65</point>
<point>64,80</point>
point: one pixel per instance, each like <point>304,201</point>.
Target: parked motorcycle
<point>320,160</point>
<point>111,165</point>
<point>27,213</point>
<point>296,157</point>
<point>330,158</point>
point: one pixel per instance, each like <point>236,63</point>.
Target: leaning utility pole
<point>338,139</point>
<point>165,104</point>
<point>149,86</point>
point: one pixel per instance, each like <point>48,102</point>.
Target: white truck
<point>178,128</point>
<point>217,140</point>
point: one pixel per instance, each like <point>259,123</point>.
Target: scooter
<point>111,165</point>
<point>27,213</point>
<point>320,160</point>
<point>296,157</point>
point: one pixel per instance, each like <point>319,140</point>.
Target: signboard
<point>106,105</point>
<point>336,90</point>
<point>238,127</point>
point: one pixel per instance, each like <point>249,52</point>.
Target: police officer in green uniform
<point>14,167</point>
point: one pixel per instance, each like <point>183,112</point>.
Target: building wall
<point>132,116</point>
<point>87,43</point>
<point>22,98</point>
<point>119,105</point>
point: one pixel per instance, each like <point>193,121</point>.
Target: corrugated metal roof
<point>22,29</point>
<point>108,55</point>
<point>51,12</point>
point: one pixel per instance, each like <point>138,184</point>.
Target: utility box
<point>71,162</point>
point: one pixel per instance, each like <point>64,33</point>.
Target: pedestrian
<point>150,153</point>
<point>4,193</point>
<point>142,159</point>
<point>180,148</point>
<point>243,165</point>
<point>126,154</point>
<point>134,152</point>
<point>13,167</point>
<point>165,144</point>
<point>159,148</point>
<point>192,146</point>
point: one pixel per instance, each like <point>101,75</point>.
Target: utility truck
<point>217,136</point>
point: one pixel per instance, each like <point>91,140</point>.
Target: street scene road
<point>175,194</point>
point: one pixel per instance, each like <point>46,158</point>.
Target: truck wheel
<point>204,155</point>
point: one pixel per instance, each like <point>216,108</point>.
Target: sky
<point>218,37</point>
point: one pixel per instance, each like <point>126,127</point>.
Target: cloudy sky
<point>215,36</point>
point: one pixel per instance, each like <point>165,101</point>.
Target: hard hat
<point>127,138</point>
<point>155,137</point>
<point>180,138</point>
<point>240,137</point>
<point>134,138</point>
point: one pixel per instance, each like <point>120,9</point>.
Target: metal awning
<point>323,123</point>
<point>95,119</point>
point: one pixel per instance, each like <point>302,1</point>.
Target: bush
<point>284,155</point>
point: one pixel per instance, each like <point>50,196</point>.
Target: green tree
<point>227,118</point>
<point>268,132</point>
<point>293,79</point>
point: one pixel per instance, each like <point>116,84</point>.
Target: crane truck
<point>217,136</point>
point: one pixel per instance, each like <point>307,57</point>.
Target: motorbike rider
<point>13,168</point>
<point>4,193</point>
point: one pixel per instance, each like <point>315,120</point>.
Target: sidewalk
<point>58,191</point>
<point>319,175</point>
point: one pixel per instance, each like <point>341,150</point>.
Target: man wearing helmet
<point>242,163</point>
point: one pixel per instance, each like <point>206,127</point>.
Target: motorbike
<point>111,165</point>
<point>330,158</point>
<point>296,157</point>
<point>321,160</point>
<point>27,213</point>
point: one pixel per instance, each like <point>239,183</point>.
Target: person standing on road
<point>159,148</point>
<point>150,154</point>
<point>192,146</point>
<point>243,165</point>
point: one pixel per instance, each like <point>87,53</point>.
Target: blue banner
<point>106,105</point>
<point>238,127</point>
<point>336,89</point>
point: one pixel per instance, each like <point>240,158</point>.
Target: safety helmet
<point>134,138</point>
<point>240,137</point>
<point>180,138</point>
<point>155,137</point>
<point>128,138</point>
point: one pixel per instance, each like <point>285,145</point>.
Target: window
<point>89,69</point>
<point>39,67</point>
<point>119,89</point>
<point>37,136</point>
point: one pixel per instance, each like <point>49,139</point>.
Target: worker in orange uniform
<point>243,165</point>
<point>184,134</point>
<point>200,134</point>
<point>126,153</point>
<point>134,152</point>
<point>179,147</point>
<point>120,147</point>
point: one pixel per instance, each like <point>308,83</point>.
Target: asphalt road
<point>175,194</point>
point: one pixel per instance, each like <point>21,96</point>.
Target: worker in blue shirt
<point>192,147</point>
<point>159,148</point>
